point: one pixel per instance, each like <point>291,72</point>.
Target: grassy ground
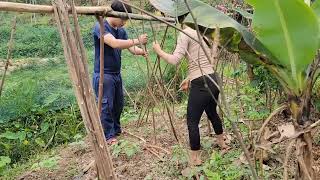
<point>38,107</point>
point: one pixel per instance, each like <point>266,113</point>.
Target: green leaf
<point>4,160</point>
<point>212,175</point>
<point>44,127</point>
<point>50,99</point>
<point>21,135</point>
<point>316,9</point>
<point>290,33</point>
<point>308,2</point>
<point>250,57</point>
<point>77,137</point>
<point>50,163</point>
<point>9,135</point>
<point>175,8</point>
<point>40,142</point>
<point>244,13</point>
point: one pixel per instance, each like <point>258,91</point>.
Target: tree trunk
<point>250,72</point>
<point>300,109</point>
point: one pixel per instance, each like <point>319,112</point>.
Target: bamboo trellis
<point>85,10</point>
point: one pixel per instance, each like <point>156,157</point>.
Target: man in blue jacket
<point>115,39</point>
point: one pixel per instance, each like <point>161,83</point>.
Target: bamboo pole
<point>85,10</point>
<point>10,45</point>
<point>101,78</point>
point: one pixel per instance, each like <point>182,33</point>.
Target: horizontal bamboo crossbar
<point>85,10</point>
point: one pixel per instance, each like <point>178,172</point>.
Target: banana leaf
<point>174,8</point>
<point>316,8</point>
<point>209,18</point>
<point>291,33</point>
<point>245,14</point>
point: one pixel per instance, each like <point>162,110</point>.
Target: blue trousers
<point>112,102</point>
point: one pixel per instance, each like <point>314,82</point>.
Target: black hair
<point>182,17</point>
<point>120,7</point>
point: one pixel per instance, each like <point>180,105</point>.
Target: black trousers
<point>200,99</point>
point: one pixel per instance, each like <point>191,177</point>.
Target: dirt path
<point>24,63</point>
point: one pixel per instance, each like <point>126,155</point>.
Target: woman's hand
<point>156,47</point>
<point>184,86</point>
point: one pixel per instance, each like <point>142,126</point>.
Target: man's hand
<point>156,47</point>
<point>138,51</point>
<point>143,39</point>
<point>145,53</point>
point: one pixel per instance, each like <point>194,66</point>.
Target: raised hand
<point>143,39</point>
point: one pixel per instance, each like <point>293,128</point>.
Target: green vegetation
<point>126,148</point>
<point>38,111</point>
<point>218,167</point>
<point>47,160</point>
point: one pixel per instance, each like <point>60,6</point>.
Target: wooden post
<point>85,10</point>
<point>10,44</point>
<point>101,78</point>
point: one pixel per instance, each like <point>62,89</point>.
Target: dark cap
<point>118,6</point>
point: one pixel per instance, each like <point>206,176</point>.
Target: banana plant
<point>284,38</point>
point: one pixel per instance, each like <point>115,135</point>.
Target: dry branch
<point>10,45</point>
<point>275,112</point>
<point>160,148</point>
<point>101,77</point>
<point>149,147</point>
<point>302,165</point>
<point>154,153</point>
<point>93,10</point>
<point>295,135</point>
<point>286,159</point>
<point>133,135</point>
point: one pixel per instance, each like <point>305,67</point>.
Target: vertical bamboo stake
<point>10,45</point>
<point>101,79</point>
<point>154,128</point>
